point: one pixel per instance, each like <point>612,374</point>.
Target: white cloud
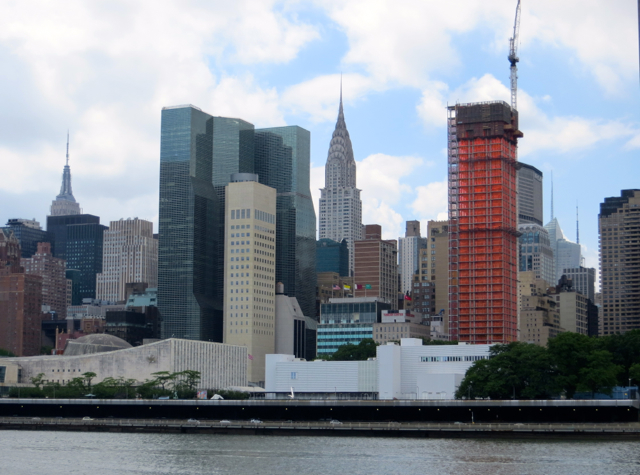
<point>431,201</point>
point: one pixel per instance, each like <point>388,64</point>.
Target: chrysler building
<point>340,204</point>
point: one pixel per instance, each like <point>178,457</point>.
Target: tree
<point>625,350</point>
<point>162,378</point>
<point>4,352</point>
<point>360,352</point>
<point>38,380</point>
<point>599,374</point>
<point>634,373</point>
<point>570,353</point>
<point>88,376</point>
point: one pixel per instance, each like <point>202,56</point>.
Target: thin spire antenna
<point>577,226</point>
<point>67,147</point>
<point>552,195</point>
<point>340,87</point>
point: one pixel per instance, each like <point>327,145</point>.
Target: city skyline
<point>62,75</point>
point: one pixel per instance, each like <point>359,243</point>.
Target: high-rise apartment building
<point>619,228</point>
<point>65,204</point>
<point>84,253</point>
<point>376,268</point>
<point>198,154</point>
<point>29,233</point>
<point>130,255</point>
<point>584,280</point>
<point>529,195</point>
<point>340,205</point>
<point>434,267</point>
<point>283,161</point>
<point>482,154</point>
<point>54,280</point>
<point>250,263</point>
<point>539,311</point>
<point>408,251</point>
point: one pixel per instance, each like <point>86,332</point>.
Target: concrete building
<point>220,365</point>
<point>250,257</point>
<point>28,233</point>
<point>410,370</point>
<point>536,253</point>
<point>408,254</point>
<point>539,316</point>
<point>376,268</point>
<point>483,253</point>
<point>295,333</point>
<point>54,280</point>
<point>398,324</point>
<point>574,309</point>
<point>583,279</point>
<point>423,298</point>
<point>65,204</point>
<point>340,204</point>
<point>332,256</point>
<point>619,247</point>
<point>130,255</point>
<point>348,320</point>
<point>434,267</point>
<point>566,254</point>
<point>529,195</point>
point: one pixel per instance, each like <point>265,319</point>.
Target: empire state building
<point>340,204</point>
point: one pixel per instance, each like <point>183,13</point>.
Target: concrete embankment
<point>608,431</point>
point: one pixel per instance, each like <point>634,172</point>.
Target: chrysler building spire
<point>340,204</point>
<point>65,204</point>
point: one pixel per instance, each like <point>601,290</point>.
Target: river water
<point>53,453</point>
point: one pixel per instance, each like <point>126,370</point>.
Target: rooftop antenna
<point>577,226</point>
<point>67,147</point>
<point>551,195</point>
<point>513,59</point>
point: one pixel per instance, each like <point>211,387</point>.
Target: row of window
<point>440,359</point>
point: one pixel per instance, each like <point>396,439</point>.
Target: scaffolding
<point>482,156</point>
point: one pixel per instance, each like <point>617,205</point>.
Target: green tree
<point>625,349</point>
<point>88,377</point>
<point>360,352</point>
<point>570,354</point>
<point>599,374</point>
<point>634,374</point>
<point>4,352</point>
<point>162,378</point>
<point>38,380</point>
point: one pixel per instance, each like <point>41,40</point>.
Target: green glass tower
<point>282,161</point>
<point>198,154</point>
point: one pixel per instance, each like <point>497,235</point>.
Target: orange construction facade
<point>483,252</point>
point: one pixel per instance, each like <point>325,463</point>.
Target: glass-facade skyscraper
<point>198,154</point>
<point>84,253</point>
<point>282,161</point>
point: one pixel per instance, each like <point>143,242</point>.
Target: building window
<point>294,375</point>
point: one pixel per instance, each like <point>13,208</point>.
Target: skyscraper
<point>536,253</point>
<point>54,280</point>
<point>58,226</point>
<point>584,280</point>
<point>618,225</point>
<point>282,161</point>
<point>482,150</point>
<point>29,233</point>
<point>529,195</point>
<point>566,254</point>
<point>84,253</point>
<point>198,154</point>
<point>65,204</point>
<point>376,271</point>
<point>332,256</point>
<point>130,254</point>
<point>250,263</point>
<point>408,249</point>
<point>340,204</point>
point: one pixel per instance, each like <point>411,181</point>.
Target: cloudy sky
<point>104,70</point>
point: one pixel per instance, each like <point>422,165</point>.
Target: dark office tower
<point>29,233</point>
<point>282,161</point>
<point>58,227</point>
<point>198,154</point>
<point>332,256</point>
<point>483,247</point>
<point>619,226</point>
<point>529,195</point>
<point>84,253</point>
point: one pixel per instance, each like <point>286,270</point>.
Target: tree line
<point>570,363</point>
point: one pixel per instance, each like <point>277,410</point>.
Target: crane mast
<point>513,59</point>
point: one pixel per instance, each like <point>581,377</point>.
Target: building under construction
<point>483,248</point>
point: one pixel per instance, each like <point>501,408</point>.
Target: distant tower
<point>340,204</point>
<point>65,204</point>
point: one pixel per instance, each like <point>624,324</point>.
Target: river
<point>65,453</point>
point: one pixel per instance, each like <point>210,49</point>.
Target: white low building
<point>410,370</point>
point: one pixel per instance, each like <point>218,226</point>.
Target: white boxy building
<point>410,370</point>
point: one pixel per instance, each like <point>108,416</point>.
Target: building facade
<point>376,268</point>
<point>250,260</point>
<point>529,195</point>
<point>584,280</point>
<point>332,256</point>
<point>408,254</point>
<point>482,155</point>
<point>566,254</point>
<point>283,161</point>
<point>618,226</point>
<point>65,204</point>
<point>536,253</point>
<point>29,233</point>
<point>340,204</point>
<point>434,267</point>
<point>84,253</point>
<point>130,255</point>
<point>54,279</point>
<point>59,226</point>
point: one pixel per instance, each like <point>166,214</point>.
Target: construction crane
<point>513,59</point>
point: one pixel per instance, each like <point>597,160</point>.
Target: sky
<point>104,70</point>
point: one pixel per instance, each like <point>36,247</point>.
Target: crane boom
<point>513,59</point>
